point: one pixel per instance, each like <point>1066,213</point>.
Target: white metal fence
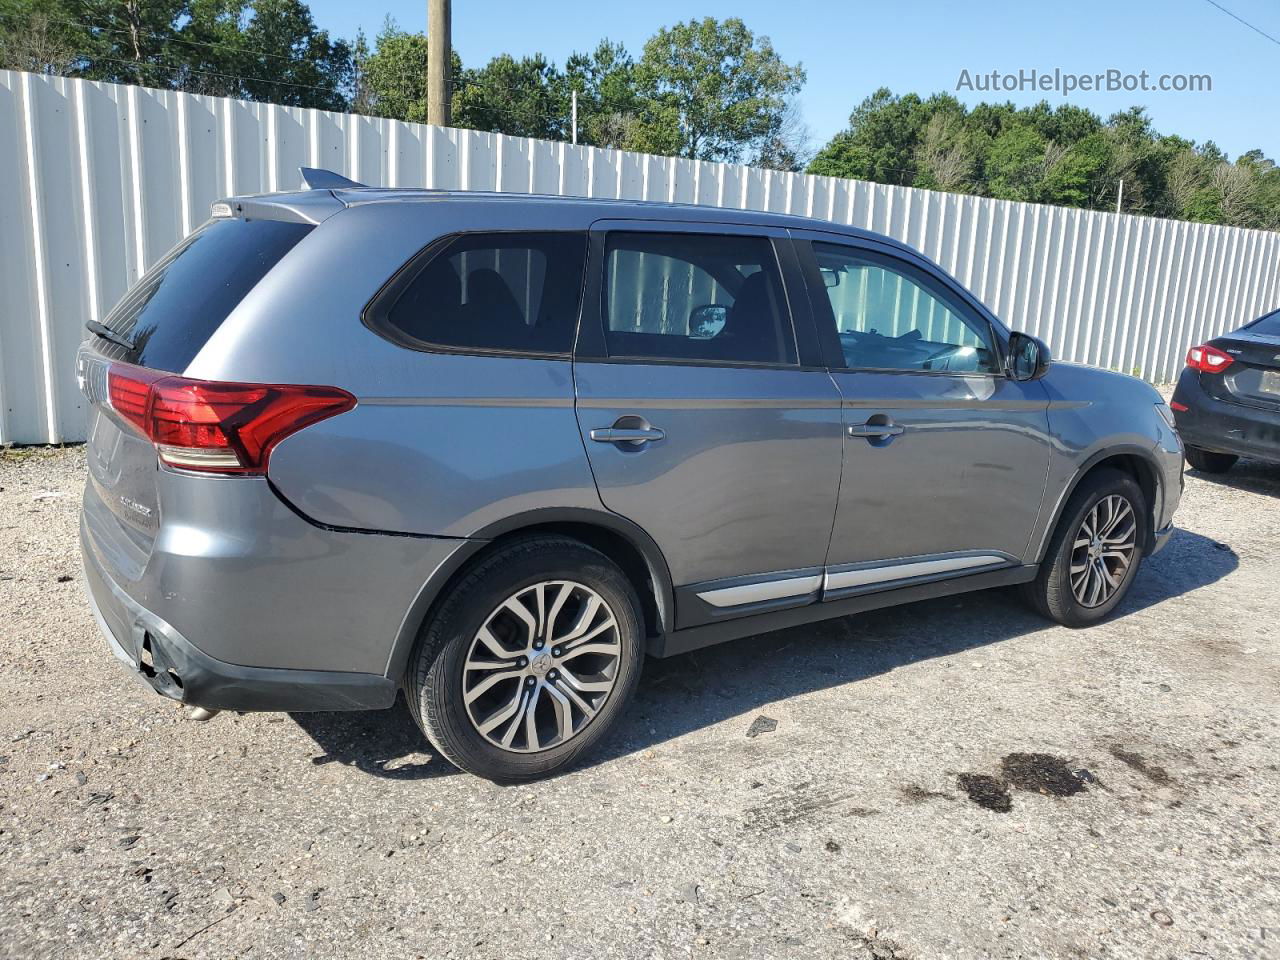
<point>98,180</point>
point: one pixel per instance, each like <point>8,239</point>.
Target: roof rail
<point>314,178</point>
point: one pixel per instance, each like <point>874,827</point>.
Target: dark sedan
<point>1227,402</point>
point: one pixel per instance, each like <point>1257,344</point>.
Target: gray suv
<point>494,450</point>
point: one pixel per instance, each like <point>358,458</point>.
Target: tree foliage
<point>705,89</point>
<point>1063,155</point>
<point>253,49</point>
<point>712,90</point>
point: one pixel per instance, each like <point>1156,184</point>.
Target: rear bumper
<point>1222,426</point>
<point>172,666</point>
<point>240,603</point>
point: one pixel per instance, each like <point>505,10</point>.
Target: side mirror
<point>1028,357</point>
<point>707,320</point>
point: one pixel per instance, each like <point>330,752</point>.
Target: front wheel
<point>529,661</point>
<point>1095,552</point>
<point>1206,461</point>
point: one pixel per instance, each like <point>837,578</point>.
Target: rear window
<point>178,305</point>
<point>702,297</point>
<point>488,292</point>
<point>1268,326</point>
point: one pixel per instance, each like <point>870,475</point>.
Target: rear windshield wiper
<point>106,333</point>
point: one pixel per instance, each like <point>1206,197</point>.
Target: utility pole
<point>574,120</point>
<point>438,61</point>
<point>1119,195</point>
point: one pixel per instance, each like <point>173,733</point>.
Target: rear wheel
<point>529,661</point>
<point>1206,461</point>
<point>1095,551</point>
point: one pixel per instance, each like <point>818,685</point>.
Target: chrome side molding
<point>777,589</point>
<point>843,579</point>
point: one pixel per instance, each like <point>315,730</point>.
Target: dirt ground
<point>952,779</point>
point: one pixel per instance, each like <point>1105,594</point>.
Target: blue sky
<point>849,48</point>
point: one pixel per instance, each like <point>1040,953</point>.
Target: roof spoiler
<point>314,178</point>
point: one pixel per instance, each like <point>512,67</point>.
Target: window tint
<point>695,297</point>
<point>887,319</point>
<point>1267,326</point>
<point>183,299</point>
<point>513,292</point>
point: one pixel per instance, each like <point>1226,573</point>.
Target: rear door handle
<point>876,431</point>
<point>636,435</point>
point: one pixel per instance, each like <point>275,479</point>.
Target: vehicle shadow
<point>376,742</point>
<point>681,694</point>
<point>1250,476</point>
<point>684,693</point>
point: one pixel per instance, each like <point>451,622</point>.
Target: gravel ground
<point>951,779</point>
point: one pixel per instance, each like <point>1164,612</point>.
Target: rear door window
<point>698,297</point>
<point>178,305</point>
<point>495,292</point>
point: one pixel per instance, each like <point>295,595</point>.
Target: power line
<point>179,68</point>
<point>456,82</point>
<point>1244,21</point>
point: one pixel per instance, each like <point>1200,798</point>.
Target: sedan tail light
<point>1208,359</point>
<point>213,426</point>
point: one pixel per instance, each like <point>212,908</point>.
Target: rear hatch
<point>1253,376</point>
<point>158,328</point>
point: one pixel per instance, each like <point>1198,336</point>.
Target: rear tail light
<point>213,426</point>
<point>1180,407</point>
<point>1208,359</point>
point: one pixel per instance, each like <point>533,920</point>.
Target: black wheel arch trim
<point>1106,453</point>
<point>533,520</point>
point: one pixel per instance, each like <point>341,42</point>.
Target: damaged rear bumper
<point>172,666</point>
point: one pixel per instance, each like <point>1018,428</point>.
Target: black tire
<point>1206,461</point>
<point>434,679</point>
<point>1050,592</point>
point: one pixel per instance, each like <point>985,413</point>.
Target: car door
<point>707,420</point>
<point>945,457</point>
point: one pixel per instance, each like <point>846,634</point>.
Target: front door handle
<point>876,431</point>
<point>636,435</point>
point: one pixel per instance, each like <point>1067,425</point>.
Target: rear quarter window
<point>1267,326</point>
<point>180,302</point>
<point>488,293</point>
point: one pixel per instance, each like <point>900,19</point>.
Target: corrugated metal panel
<point>97,181</point>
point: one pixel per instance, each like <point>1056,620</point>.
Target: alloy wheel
<point>541,666</point>
<point>1103,550</point>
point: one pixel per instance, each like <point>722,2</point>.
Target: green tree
<point>1016,164</point>
<point>286,59</point>
<point>252,49</point>
<point>394,76</point>
<point>1063,155</point>
<point>527,97</point>
<point>881,142</point>
<point>1078,173</point>
<point>609,103</point>
<point>130,41</point>
<point>713,90</point>
<point>208,49</point>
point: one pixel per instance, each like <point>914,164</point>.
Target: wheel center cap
<point>1095,550</point>
<point>541,663</point>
